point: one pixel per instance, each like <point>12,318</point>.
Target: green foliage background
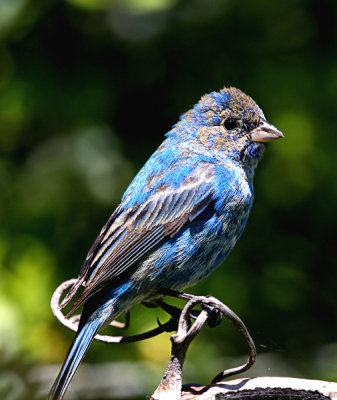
<point>87,90</point>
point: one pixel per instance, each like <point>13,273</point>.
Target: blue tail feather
<point>75,354</point>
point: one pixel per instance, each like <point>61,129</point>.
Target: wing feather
<point>132,233</point>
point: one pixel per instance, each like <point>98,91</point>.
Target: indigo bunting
<point>179,218</point>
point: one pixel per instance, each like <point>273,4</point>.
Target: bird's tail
<point>75,354</point>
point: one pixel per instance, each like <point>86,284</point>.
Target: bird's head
<point>230,122</point>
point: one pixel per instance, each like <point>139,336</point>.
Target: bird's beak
<point>265,132</point>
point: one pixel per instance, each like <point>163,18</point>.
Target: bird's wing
<point>131,233</point>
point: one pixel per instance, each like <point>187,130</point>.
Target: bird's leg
<point>176,294</point>
<point>214,318</point>
<point>173,311</point>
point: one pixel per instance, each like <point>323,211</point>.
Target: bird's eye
<point>231,123</point>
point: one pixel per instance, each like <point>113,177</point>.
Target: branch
<point>72,322</point>
<point>171,383</point>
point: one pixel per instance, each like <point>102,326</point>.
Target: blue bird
<point>177,221</point>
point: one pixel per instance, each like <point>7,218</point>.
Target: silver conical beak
<point>265,132</point>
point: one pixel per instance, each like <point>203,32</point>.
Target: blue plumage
<point>75,354</point>
<point>178,220</point>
